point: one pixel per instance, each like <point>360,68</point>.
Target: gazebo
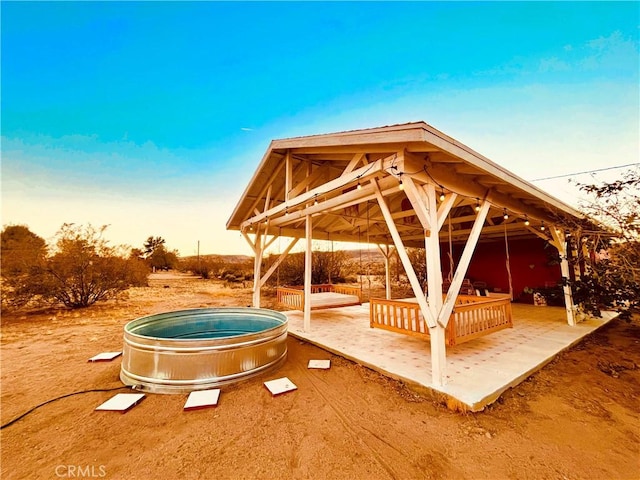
<point>406,185</point>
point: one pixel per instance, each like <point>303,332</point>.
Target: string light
<point>526,220</point>
<point>442,196</point>
<point>542,226</point>
<point>315,201</point>
<point>359,187</point>
<point>286,211</point>
<point>505,215</point>
<point>401,185</point>
<point>477,204</point>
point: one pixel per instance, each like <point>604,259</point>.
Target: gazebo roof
<point>333,178</point>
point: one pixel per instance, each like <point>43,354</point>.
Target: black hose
<point>59,398</point>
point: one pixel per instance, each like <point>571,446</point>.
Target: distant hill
<point>223,258</point>
<point>373,253</point>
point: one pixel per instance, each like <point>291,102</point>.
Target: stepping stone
<point>121,402</point>
<point>105,356</point>
<point>320,364</point>
<point>280,385</point>
<point>202,399</point>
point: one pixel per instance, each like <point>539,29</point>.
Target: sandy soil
<point>577,418</point>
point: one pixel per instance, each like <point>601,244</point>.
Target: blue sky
<point>151,117</point>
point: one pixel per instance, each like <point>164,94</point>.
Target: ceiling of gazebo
<point>334,178</point>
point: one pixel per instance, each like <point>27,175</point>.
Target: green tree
<point>163,259</point>
<point>157,255</point>
<point>151,244</point>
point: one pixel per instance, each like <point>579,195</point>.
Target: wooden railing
<point>472,317</point>
<point>293,297</point>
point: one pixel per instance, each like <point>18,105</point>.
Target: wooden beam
<point>288,176</point>
<point>267,185</point>
<point>308,180</point>
<point>539,233</point>
<point>277,263</point>
<point>416,197</point>
<point>445,208</point>
<point>387,252</point>
<point>267,199</point>
<point>353,163</point>
<point>432,252</point>
<point>249,241</point>
<point>434,290</point>
<point>560,242</point>
<point>257,264</point>
<point>362,173</point>
<point>269,243</point>
<point>402,253</point>
<point>307,274</point>
<point>463,265</point>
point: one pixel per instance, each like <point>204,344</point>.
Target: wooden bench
<point>472,317</point>
<point>324,295</point>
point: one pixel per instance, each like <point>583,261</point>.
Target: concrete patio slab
<point>478,371</point>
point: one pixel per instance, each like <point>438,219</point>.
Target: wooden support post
<point>288,176</point>
<point>432,252</point>
<point>560,242</point>
<point>257,263</point>
<point>434,292</point>
<point>387,252</point>
<point>463,264</point>
<point>402,253</point>
<point>277,263</point>
<point>307,275</point>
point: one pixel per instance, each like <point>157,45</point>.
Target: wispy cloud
<point>609,55</point>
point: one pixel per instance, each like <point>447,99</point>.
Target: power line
<point>586,171</point>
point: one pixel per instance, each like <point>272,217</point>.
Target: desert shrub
<point>81,270</point>
<point>207,266</point>
<point>84,269</point>
<point>23,257</point>
<point>326,267</point>
<point>609,255</point>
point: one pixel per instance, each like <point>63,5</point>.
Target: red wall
<point>532,265</point>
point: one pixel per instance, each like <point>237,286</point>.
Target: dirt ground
<point>577,418</point>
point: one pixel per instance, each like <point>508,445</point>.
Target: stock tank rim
<point>193,349</point>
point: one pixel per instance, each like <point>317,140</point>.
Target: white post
<point>307,275</point>
<point>277,263</point>
<point>463,264</point>
<point>387,272</point>
<point>257,263</point>
<point>406,262</point>
<point>434,294</point>
<point>386,252</point>
<point>255,246</point>
<point>559,241</point>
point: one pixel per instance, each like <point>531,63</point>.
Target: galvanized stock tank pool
<point>186,350</point>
